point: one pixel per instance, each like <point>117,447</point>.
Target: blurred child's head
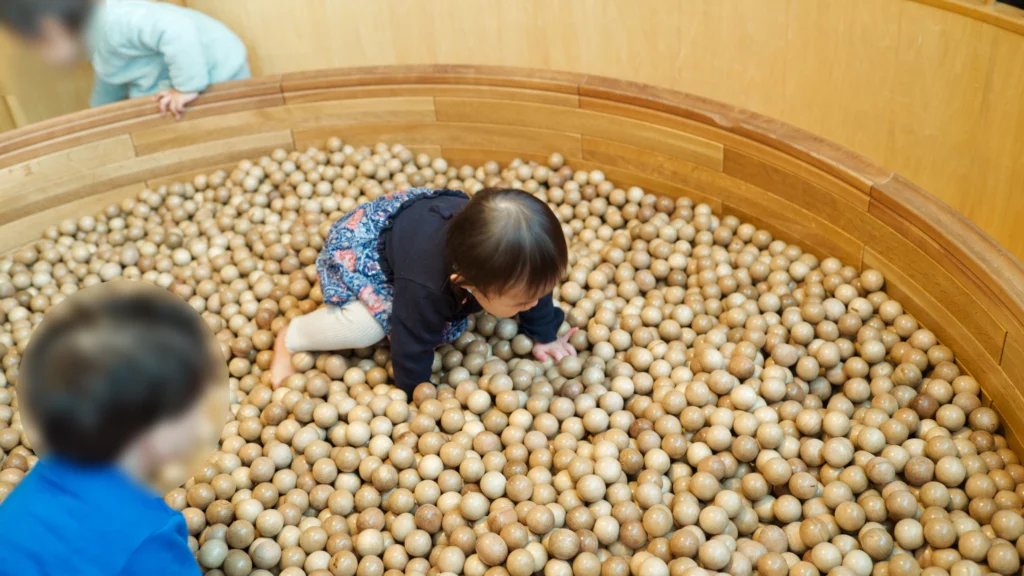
<point>119,371</point>
<point>52,27</point>
<point>508,249</point>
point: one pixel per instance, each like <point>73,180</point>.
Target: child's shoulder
<point>104,506</point>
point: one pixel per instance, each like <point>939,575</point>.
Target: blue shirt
<point>66,518</point>
<point>140,47</point>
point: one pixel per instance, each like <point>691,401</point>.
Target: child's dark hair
<point>507,239</point>
<point>25,16</point>
<point>110,365</point>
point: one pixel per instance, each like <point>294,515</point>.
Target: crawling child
<point>113,383</point>
<point>413,266</point>
<point>137,47</point>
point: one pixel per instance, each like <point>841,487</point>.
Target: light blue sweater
<point>140,47</point>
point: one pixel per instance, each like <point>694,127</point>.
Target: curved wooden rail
<point>952,276</point>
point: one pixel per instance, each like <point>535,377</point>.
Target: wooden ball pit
<point>947,272</point>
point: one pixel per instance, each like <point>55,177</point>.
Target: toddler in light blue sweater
<point>137,47</point>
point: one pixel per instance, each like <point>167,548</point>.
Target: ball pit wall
<point>957,280</point>
<point>928,88</point>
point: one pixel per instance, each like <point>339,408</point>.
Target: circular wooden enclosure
<point>952,276</point>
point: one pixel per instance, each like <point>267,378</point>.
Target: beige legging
<point>334,328</point>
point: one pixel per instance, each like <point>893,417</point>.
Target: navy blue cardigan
<point>425,299</point>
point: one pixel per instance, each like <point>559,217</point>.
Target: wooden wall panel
<point>961,49</point>
<point>929,88</point>
<point>860,79</point>
<point>479,136</point>
<point>298,117</point>
<point>639,134</point>
<point>74,163</point>
<point>41,91</point>
<point>992,197</point>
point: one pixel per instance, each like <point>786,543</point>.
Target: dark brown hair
<point>25,16</point>
<point>103,369</point>
<point>507,239</point>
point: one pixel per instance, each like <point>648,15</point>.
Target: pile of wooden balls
<point>738,406</point>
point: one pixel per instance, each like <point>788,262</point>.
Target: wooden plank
<point>815,233</point>
<point>753,32</point>
<point>475,157</point>
<point>586,123</point>
<point>626,178</point>
<point>28,176</point>
<point>827,156</point>
<point>479,136</point>
<point>441,90</point>
<point>296,116</point>
<point>30,229</point>
<point>961,49</point>
<point>218,99</point>
<point>942,264</point>
<point>968,244</point>
<point>821,67</point>
<point>908,254</point>
<point>621,178</point>
<point>102,179</point>
<point>792,187</point>
<point>950,331</point>
<point>507,77</point>
<point>1013,366</point>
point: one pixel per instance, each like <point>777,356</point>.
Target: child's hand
<point>174,102</point>
<point>556,350</point>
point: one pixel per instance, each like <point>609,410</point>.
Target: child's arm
<point>418,319</point>
<point>164,552</point>
<point>105,93</point>
<point>542,323</point>
<point>543,320</point>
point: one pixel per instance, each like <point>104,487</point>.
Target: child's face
<point>57,44</point>
<point>509,304</point>
<point>178,436</point>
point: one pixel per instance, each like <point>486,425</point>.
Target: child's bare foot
<point>281,365</point>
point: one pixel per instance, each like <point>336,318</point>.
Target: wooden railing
<point>953,277</point>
